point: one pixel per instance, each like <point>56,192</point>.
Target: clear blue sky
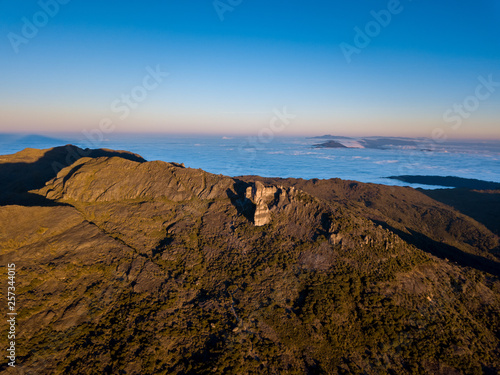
<point>228,76</point>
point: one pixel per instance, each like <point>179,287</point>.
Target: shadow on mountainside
<point>445,251</point>
<point>450,181</point>
<point>243,205</point>
<point>482,206</point>
<point>30,171</point>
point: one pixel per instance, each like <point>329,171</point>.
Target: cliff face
<point>127,266</point>
<point>261,196</point>
<point>268,199</point>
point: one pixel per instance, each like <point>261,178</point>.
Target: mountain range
<point>126,266</point>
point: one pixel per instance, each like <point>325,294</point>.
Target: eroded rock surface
<point>261,196</point>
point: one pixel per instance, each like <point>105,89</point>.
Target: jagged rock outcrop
<point>261,196</point>
<point>272,199</point>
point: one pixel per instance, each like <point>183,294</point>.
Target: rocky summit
<point>125,266</point>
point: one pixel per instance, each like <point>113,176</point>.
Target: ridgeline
<point>128,266</point>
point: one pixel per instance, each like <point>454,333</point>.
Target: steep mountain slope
<point>421,220</point>
<point>148,267</point>
<point>31,169</point>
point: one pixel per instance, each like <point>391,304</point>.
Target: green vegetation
<point>159,284</point>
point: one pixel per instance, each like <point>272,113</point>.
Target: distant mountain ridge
<point>366,142</point>
<point>451,181</point>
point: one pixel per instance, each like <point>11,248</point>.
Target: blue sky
<point>229,70</point>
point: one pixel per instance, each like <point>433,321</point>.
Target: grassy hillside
<point>126,266</point>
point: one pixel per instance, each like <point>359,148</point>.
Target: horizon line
<point>238,135</point>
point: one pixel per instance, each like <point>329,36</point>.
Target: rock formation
<point>261,196</point>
